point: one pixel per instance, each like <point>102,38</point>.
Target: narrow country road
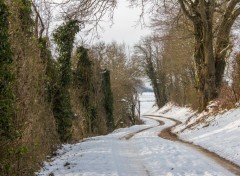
<point>134,151</point>
<point>167,134</point>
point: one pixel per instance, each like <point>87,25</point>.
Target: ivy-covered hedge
<point>25,13</point>
<point>51,76</point>
<point>83,80</point>
<point>108,98</point>
<point>6,76</point>
<point>64,37</point>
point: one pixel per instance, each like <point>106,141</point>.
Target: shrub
<point>6,76</point>
<point>64,37</point>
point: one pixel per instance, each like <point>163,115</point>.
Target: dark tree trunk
<point>203,54</point>
<point>209,72</point>
<point>152,75</point>
<point>223,42</point>
<point>210,66</point>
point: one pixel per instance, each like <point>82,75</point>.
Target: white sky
<point>125,28</point>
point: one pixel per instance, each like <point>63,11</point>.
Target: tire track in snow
<point>129,136</point>
<point>169,135</point>
<point>126,160</point>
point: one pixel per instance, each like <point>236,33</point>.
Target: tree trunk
<point>204,55</point>
<point>223,44</point>
<point>209,70</point>
<point>222,47</point>
<point>152,76</point>
<point>199,57</point>
<point>209,67</point>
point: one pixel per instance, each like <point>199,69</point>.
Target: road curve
<point>169,135</point>
<point>134,151</point>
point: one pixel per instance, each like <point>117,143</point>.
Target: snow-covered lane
<point>164,157</point>
<point>145,154</point>
<point>108,155</point>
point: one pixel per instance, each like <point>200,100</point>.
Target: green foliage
<point>12,159</point>
<point>83,80</point>
<point>51,72</point>
<point>64,37</point>
<point>25,12</point>
<point>108,98</point>
<point>20,151</point>
<point>63,112</point>
<point>45,53</point>
<point>6,77</point>
<point>92,114</point>
<point>84,76</point>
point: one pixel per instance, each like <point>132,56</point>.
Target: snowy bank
<point>219,133</point>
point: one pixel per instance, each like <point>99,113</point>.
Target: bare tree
<point>149,49</point>
<point>177,49</point>
<point>124,79</point>
<point>210,51</point>
<point>87,12</point>
<point>43,17</point>
<point>212,21</point>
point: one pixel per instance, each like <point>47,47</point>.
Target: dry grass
<point>79,129</point>
<point>34,120</point>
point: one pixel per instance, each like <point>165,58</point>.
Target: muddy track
<point>169,135</point>
<point>130,135</point>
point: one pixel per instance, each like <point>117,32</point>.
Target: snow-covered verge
<point>219,133</point>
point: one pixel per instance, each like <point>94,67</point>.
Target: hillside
<point>215,131</point>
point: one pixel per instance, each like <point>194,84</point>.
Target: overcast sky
<point>125,28</point>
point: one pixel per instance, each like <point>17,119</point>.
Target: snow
<point>179,113</point>
<point>147,102</point>
<point>142,155</point>
<point>218,133</point>
<point>163,157</point>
